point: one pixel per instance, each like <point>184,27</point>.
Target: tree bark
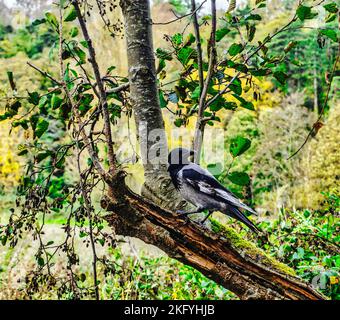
<point>143,85</point>
<point>145,103</point>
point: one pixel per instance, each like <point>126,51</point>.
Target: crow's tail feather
<point>238,215</point>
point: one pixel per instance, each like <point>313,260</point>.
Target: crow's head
<point>180,156</point>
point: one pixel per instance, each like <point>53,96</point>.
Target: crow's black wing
<point>202,181</point>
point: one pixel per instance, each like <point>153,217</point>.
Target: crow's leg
<point>183,213</point>
<point>208,215</point>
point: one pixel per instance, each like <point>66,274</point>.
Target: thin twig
<point>199,129</point>
<point>120,88</point>
<point>102,93</point>
<point>316,125</point>
<point>181,17</point>
<point>44,73</point>
<point>198,44</point>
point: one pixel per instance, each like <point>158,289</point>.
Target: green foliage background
<point>298,199</point>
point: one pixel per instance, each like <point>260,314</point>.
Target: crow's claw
<point>181,213</point>
<point>199,223</point>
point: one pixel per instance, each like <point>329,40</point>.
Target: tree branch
<point>317,124</point>
<point>199,129</point>
<point>224,257</point>
<point>198,43</point>
<point>193,12</point>
<point>120,88</point>
<point>102,93</point>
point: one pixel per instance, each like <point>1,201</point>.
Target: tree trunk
<point>145,102</point>
<point>227,259</point>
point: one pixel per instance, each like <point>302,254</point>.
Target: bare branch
<point>317,124</point>
<point>193,12</point>
<point>199,129</point>
<point>198,43</point>
<point>102,93</point>
<point>120,88</point>
<point>44,73</point>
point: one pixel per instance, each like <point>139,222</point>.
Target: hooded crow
<point>200,188</point>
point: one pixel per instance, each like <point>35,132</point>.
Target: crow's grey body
<point>199,199</point>
<point>199,187</point>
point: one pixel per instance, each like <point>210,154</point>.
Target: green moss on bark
<point>249,249</point>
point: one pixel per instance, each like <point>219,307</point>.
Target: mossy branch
<point>226,258</point>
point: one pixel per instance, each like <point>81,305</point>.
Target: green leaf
<point>41,127</point>
<point>23,123</point>
<point>185,54</point>
<point>81,55</point>
<point>244,104</point>
<point>251,29</point>
<point>331,7</point>
<point>331,34</point>
<point>42,155</point>
<point>56,101</point>
<point>331,17</point>
<point>163,54</point>
<point>37,22</point>
<point>110,69</point>
<point>304,13</point>
<point>190,39</point>
<point>215,168</point>
<point>256,17</point>
<point>280,76</point>
<point>239,145</point>
<point>51,18</point>
<point>70,14</point>
<point>3,240</point>
<point>177,39</point>
<point>74,32</point>
<point>163,103</point>
<point>218,104</point>
<point>220,33</point>
<point>22,152</point>
<point>231,105</point>
<point>161,65</point>
<point>239,178</point>
<point>84,44</point>
<point>82,277</point>
<point>235,49</point>
<point>236,87</point>
<point>33,98</point>
<point>240,67</point>
<point>178,122</point>
<point>40,261</point>
<point>196,93</point>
